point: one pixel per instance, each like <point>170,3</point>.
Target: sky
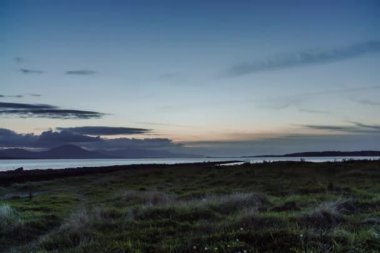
<point>204,77</point>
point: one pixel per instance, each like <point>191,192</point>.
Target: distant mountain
<point>327,154</point>
<point>71,152</point>
<point>61,152</point>
<point>74,152</point>
<point>143,153</point>
<point>13,153</point>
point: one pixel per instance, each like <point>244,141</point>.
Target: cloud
<point>104,130</point>
<point>305,58</point>
<point>31,71</point>
<point>354,127</point>
<point>10,96</point>
<point>19,96</point>
<point>45,111</point>
<point>9,138</point>
<point>129,143</point>
<point>313,111</point>
<point>366,126</point>
<point>80,72</point>
<point>367,102</point>
<point>119,147</point>
<point>298,100</point>
<point>50,138</point>
<point>18,59</point>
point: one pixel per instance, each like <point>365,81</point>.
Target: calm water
<point>74,163</point>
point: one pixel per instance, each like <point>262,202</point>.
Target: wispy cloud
<point>298,100</point>
<point>304,58</point>
<point>82,72</point>
<point>104,130</point>
<point>367,102</point>
<point>31,71</point>
<point>10,96</point>
<point>45,111</point>
<point>353,127</point>
<point>313,111</point>
<point>174,78</point>
<point>18,59</point>
<point>367,126</point>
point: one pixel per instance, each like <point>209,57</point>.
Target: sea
<point>30,164</point>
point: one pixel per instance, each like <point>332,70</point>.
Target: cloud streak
<point>45,111</point>
<point>104,130</point>
<point>354,127</point>
<point>31,71</point>
<point>82,72</point>
<point>10,96</point>
<point>304,58</point>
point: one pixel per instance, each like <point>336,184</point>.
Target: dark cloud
<point>45,111</point>
<point>31,71</point>
<point>80,72</point>
<point>123,143</point>
<point>9,138</point>
<point>366,126</point>
<point>304,58</point>
<point>10,96</point>
<point>5,105</point>
<point>104,130</point>
<point>343,128</point>
<point>50,138</point>
<point>354,127</point>
<point>120,147</point>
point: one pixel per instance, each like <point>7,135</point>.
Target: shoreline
<point>18,176</point>
<point>10,177</point>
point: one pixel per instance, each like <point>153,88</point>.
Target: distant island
<point>326,154</point>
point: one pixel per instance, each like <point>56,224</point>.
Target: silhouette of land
<point>70,151</point>
<point>326,154</point>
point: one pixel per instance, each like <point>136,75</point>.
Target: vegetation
<point>269,207</point>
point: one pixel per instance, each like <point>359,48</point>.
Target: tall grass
<point>9,219</point>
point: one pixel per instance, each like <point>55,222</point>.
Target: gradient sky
<point>219,77</point>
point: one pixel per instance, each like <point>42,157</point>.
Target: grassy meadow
<point>269,207</point>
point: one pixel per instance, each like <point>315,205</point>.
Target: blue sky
<point>221,77</point>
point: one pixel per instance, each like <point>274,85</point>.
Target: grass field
<point>269,207</point>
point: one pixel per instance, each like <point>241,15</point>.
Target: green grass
<point>271,207</point>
